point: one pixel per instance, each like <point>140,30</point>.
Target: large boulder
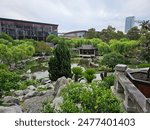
<point>60,85</point>
<point>30,94</point>
<point>10,100</point>
<point>57,102</point>
<point>34,104</point>
<point>10,109</point>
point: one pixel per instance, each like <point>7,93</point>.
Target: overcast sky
<point>73,15</point>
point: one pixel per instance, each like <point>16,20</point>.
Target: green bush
<point>89,75</point>
<point>109,80</point>
<point>8,80</point>
<point>112,59</point>
<point>47,108</point>
<point>77,72</point>
<point>89,98</point>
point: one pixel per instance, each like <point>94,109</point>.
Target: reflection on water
<point>41,74</point>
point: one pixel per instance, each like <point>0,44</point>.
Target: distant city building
<point>19,29</point>
<point>129,23</point>
<point>73,34</point>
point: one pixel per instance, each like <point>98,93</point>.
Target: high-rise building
<point>19,29</point>
<point>129,23</point>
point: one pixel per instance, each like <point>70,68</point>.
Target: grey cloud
<point>76,14</point>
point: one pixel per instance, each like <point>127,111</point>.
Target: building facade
<point>75,34</point>
<point>19,29</point>
<point>129,23</point>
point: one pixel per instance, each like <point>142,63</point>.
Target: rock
<point>69,80</point>
<point>21,98</point>
<point>18,93</point>
<point>49,86</point>
<point>34,104</point>
<point>29,71</point>
<point>41,87</point>
<point>57,102</point>
<point>45,81</point>
<point>21,92</point>
<point>11,109</point>
<point>11,100</point>
<point>59,85</point>
<point>31,87</point>
<point>30,94</point>
<point>41,93</point>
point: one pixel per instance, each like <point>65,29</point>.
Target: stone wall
<point>134,100</point>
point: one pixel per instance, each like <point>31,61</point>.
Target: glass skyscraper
<point>130,23</point>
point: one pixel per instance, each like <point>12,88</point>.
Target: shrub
<point>47,108</point>
<point>112,59</point>
<point>89,98</point>
<point>77,71</point>
<point>109,80</point>
<point>89,75</point>
<point>8,80</point>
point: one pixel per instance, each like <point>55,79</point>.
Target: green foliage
<point>89,75</point>
<point>6,37</point>
<point>41,48</point>
<point>51,37</point>
<point>109,80</point>
<point>14,54</point>
<point>24,84</point>
<point>126,47</point>
<point>89,98</point>
<point>77,71</point>
<point>8,80</point>
<point>47,108</point>
<point>91,33</point>
<point>112,59</point>
<point>53,69</point>
<point>143,65</point>
<point>133,33</point>
<point>145,47</point>
<point>60,64</point>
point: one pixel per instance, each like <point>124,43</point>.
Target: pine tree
<point>60,64</point>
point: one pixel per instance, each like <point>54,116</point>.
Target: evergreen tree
<point>60,64</point>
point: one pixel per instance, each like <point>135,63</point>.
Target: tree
<point>119,35</point>
<point>50,37</point>
<point>6,37</point>
<point>133,33</point>
<point>60,62</point>
<point>145,26</point>
<point>41,48</point>
<point>107,34</point>
<point>91,33</point>
<point>145,47</point>
<point>77,72</point>
<point>112,59</point>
